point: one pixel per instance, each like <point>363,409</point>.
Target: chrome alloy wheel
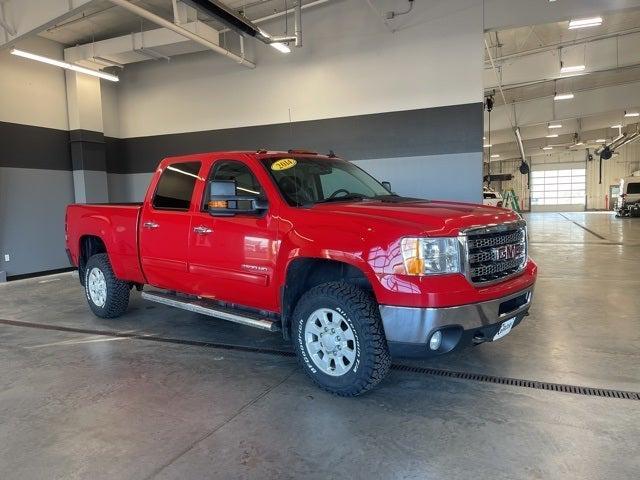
<point>330,342</point>
<point>97,287</point>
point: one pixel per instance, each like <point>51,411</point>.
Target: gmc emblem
<point>506,252</point>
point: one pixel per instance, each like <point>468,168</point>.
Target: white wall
<point>110,113</point>
<point>33,93</point>
<point>351,64</point>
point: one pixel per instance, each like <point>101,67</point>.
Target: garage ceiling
<point>528,61</point>
<point>103,19</point>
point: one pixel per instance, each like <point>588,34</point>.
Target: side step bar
<point>212,309</point>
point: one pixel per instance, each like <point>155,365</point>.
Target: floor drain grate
<point>477,377</point>
<point>517,382</point>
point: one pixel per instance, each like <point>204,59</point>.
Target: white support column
<point>88,153</point>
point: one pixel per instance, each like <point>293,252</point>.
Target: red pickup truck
<point>314,247</point>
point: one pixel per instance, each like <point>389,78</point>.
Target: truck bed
<point>117,225</point>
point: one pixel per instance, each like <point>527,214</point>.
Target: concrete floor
<point>74,405</point>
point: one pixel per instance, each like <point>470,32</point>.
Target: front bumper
<point>408,329</point>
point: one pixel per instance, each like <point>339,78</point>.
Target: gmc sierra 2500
<point>314,247</point>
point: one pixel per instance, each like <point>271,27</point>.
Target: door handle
<point>150,225</point>
<point>202,230</point>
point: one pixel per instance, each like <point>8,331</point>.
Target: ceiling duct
<point>245,27</point>
<point>163,22</point>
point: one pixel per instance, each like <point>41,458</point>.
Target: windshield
<point>308,180</point>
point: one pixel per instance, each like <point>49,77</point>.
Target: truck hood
<point>434,218</point>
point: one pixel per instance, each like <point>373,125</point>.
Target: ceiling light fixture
<point>563,96</point>
<point>281,47</point>
<point>65,65</point>
<point>601,140</point>
<point>548,147</point>
<point>552,135</point>
<point>579,143</point>
<point>555,125</point>
<point>616,126</point>
<point>585,22</point>
<point>495,155</point>
<point>487,145</point>
<point>631,114</point>
<point>572,69</point>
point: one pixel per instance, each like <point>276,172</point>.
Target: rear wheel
<point>107,296</point>
<point>339,339</point>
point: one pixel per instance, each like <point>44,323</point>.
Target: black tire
<point>117,291</point>
<point>361,313</point>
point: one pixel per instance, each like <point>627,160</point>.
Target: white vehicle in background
<point>492,198</point>
<point>628,204</point>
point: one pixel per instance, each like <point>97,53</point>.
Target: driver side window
<point>245,181</point>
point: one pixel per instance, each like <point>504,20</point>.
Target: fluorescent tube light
<point>585,22</point>
<point>547,148</point>
<point>563,96</point>
<point>555,125</point>
<point>281,47</point>
<point>495,155</point>
<point>601,140</point>
<point>552,135</point>
<point>573,68</point>
<point>61,64</point>
<point>487,145</point>
<point>579,143</point>
<point>616,126</point>
<point>176,169</point>
<point>632,114</point>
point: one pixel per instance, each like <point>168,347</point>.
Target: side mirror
<point>387,185</point>
<point>223,200</point>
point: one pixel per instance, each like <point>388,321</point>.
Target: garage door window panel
<point>558,187</point>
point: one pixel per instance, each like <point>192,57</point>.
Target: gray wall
<point>32,207</point>
<point>418,150</point>
<point>36,182</point>
<point>436,177</point>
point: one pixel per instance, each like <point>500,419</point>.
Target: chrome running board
<point>212,309</point>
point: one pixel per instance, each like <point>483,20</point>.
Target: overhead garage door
<point>558,189</point>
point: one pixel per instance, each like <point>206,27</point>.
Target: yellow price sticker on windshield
<point>283,164</point>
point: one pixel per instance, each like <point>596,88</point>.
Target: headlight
<point>431,256</point>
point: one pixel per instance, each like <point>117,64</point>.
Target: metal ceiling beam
<point>568,43</point>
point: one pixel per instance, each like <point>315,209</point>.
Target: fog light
<point>435,340</point>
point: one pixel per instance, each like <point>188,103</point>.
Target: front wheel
<point>339,338</point>
<point>107,296</point>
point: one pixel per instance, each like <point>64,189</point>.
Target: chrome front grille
<point>495,253</point>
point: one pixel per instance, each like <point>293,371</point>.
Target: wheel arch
<point>89,245</point>
<point>304,273</point>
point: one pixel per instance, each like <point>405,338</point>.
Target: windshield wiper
<point>386,195</point>
<point>351,196</point>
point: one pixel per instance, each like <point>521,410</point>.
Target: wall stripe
<point>26,146</point>
<point>431,131</point>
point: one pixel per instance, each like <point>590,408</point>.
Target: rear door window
<point>633,188</point>
<point>175,187</point>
